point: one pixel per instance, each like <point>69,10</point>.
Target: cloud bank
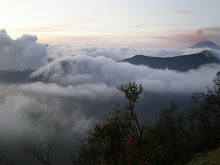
<point>24,116</point>
<point>72,87</point>
<point>56,51</point>
<point>22,53</point>
<point>79,70</point>
<point>84,73</point>
<point>22,113</point>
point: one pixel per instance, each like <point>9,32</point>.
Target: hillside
<point>212,157</point>
<point>179,63</point>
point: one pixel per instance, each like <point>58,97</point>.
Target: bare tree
<point>41,150</point>
<point>5,150</point>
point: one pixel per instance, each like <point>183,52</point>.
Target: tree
<point>174,139</point>
<point>120,139</point>
<point>4,151</point>
<point>167,142</point>
<point>41,151</point>
<point>204,118</point>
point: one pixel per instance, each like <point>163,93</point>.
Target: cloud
<point>211,29</point>
<point>24,116</point>
<point>184,12</point>
<point>65,50</point>
<point>48,29</point>
<point>198,32</point>
<point>22,53</point>
<point>24,113</point>
<point>81,69</point>
<point>82,73</point>
<point>77,87</point>
<point>190,37</point>
<point>99,91</point>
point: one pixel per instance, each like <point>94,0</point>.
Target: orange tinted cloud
<point>198,32</point>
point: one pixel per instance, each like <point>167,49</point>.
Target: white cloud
<point>82,73</point>
<point>56,51</point>
<point>78,87</point>
<point>22,53</point>
<point>97,92</point>
<point>23,113</point>
<point>79,70</point>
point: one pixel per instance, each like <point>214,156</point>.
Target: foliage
<point>204,119</point>
<point>167,141</point>
<point>174,139</point>
<point>120,139</point>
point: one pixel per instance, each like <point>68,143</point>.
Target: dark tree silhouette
<point>5,150</point>
<point>42,150</point>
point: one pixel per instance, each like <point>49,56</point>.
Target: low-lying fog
<point>72,87</point>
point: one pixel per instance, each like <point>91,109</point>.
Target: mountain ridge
<point>179,63</point>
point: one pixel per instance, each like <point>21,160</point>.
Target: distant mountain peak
<point>206,44</point>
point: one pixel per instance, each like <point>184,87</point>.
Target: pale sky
<point>133,23</point>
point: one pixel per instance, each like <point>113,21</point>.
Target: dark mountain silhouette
<point>206,44</point>
<point>179,63</point>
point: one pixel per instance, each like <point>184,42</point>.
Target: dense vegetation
<point>174,139</point>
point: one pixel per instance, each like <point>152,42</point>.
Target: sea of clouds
<point>73,87</point>
<point>88,72</point>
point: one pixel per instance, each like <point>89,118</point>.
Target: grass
<point>208,158</point>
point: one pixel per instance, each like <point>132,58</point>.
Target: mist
<point>70,88</point>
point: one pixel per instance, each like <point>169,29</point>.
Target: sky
<point>133,23</point>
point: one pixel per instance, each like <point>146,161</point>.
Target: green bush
<point>174,139</point>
